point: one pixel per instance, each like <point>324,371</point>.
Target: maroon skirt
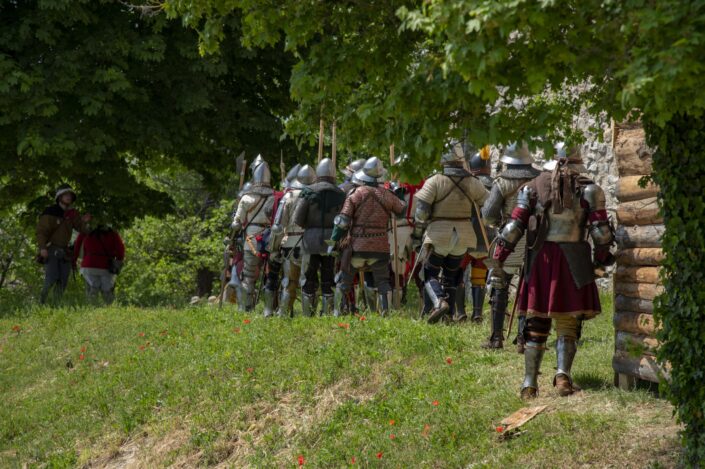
<point>551,291</point>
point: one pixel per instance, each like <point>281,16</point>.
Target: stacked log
<point>636,279</point>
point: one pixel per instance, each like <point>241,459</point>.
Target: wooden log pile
<point>636,279</point>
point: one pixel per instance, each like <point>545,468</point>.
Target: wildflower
<point>392,422</point>
<point>81,357</point>
<point>301,460</point>
<point>246,321</point>
<point>435,403</point>
<point>449,360</point>
<point>379,455</point>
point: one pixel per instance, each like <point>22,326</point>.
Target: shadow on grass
<point>591,381</point>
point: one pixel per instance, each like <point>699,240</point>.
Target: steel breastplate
<point>567,226</point>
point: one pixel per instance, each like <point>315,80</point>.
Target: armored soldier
<point>252,217</point>
<point>361,234</point>
<point>474,266</point>
<point>444,207</point>
<point>496,213</point>
<point>558,210</point>
<point>281,243</point>
<point>317,207</point>
<point>349,171</point>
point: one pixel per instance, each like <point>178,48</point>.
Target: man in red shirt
<point>102,252</point>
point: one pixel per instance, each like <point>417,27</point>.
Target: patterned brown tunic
<point>369,209</point>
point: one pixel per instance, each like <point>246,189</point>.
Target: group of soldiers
<point>458,228</point>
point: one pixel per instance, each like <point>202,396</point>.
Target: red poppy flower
<point>363,318</point>
<point>344,325</point>
<point>426,430</point>
<point>352,460</point>
<point>81,357</point>
<point>379,455</point>
<point>392,422</point>
<point>246,321</point>
<point>392,436</point>
<point>83,349</point>
<point>449,360</point>
<point>16,328</point>
<point>301,460</point>
<point>500,429</point>
<point>435,403</point>
<point>236,330</point>
<point>141,334</point>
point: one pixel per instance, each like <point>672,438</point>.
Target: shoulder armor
<point>423,211</point>
<point>594,196</point>
<point>342,221</point>
<point>524,196</point>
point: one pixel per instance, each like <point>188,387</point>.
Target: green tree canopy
<point>94,93</point>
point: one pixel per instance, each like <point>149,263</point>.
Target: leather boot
<point>532,365</point>
<point>460,314</point>
<point>269,296</point>
<point>499,310</point>
<point>566,348</point>
<point>439,305</point>
<point>308,304</point>
<point>326,304</point>
<point>478,303</point>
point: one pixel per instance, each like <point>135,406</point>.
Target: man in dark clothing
<point>54,230</point>
<point>317,207</point>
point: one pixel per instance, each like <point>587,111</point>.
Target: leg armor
<point>536,334</point>
<point>478,302</point>
<point>433,288</point>
<point>292,271</point>
<point>566,349</point>
<point>344,282</point>
<point>308,304</point>
<point>370,291</point>
<point>326,304</point>
<point>385,303</point>
<point>250,270</point>
<point>460,314</point>
<point>520,341</point>
<point>452,276</point>
<point>499,300</point>
<point>380,275</point>
<point>269,297</point>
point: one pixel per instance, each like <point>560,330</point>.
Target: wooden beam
<point>643,367</point>
<point>640,256</point>
<point>632,154</point>
<point>634,323</point>
<point>639,212</point>
<point>643,291</point>
<point>644,236</point>
<point>634,344</point>
<point>628,189</point>
<point>637,274</point>
<point>321,131</point>
<point>628,303</point>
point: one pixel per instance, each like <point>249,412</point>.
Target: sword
<point>416,262</point>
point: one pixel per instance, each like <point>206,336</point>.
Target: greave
<point>339,302</point>
<point>566,348</point>
<point>460,302</point>
<point>326,305</point>
<point>499,311</point>
<point>308,304</point>
<point>434,293</point>
<point>533,355</point>
<point>478,302</point>
<point>371,298</point>
<point>285,306</point>
<point>269,296</point>
<point>385,301</point>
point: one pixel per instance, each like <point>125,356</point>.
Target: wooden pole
<point>334,151</point>
<point>320,141</point>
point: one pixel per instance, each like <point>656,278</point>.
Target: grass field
<point>116,387</point>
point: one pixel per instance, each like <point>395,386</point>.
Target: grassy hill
<point>115,387</point>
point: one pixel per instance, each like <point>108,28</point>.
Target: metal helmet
<point>453,153</point>
<point>572,154</point>
<point>480,162</point>
<point>64,189</point>
<point>245,189</point>
<point>372,170</point>
<point>517,154</point>
<point>354,166</point>
<point>290,180</point>
<point>257,161</point>
<point>325,169</point>
<point>261,175</point>
<point>306,175</point>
